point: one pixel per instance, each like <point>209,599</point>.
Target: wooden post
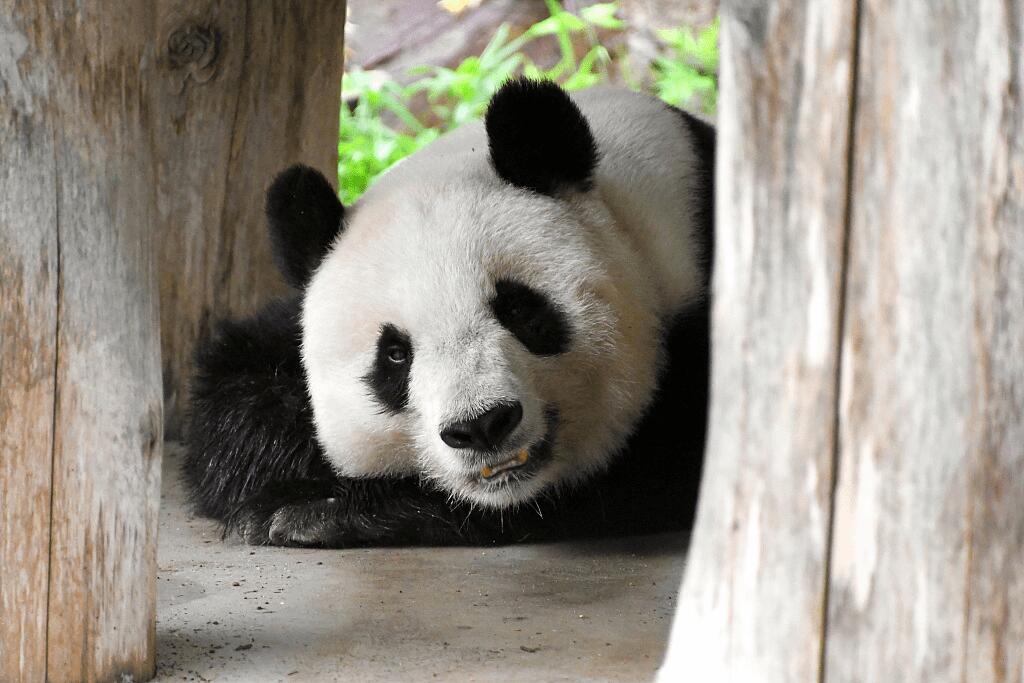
<point>927,580</point>
<point>80,401</point>
<point>245,88</point>
<point>758,556</point>
<point>861,513</point>
<point>123,128</point>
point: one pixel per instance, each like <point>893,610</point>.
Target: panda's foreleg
<point>360,512</point>
<point>402,512</point>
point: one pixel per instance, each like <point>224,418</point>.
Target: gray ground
<point>596,611</point>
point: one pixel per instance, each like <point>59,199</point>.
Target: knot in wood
<point>194,47</point>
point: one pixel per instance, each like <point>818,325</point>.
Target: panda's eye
<point>532,317</point>
<point>388,377</point>
<point>398,354</point>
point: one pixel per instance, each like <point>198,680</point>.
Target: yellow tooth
<point>520,459</point>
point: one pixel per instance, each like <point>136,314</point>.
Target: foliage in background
<point>367,144</point>
<point>378,126</point>
<point>689,70</point>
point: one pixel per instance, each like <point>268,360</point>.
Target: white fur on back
<point>421,250</point>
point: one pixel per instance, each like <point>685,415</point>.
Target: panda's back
<point>652,177</point>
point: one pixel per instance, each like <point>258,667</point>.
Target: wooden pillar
<point>758,557</point>
<point>861,517</point>
<point>131,134</point>
<point>927,580</point>
<point>245,88</point>
<point>80,400</point>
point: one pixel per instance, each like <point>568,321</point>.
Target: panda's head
<point>474,318</point>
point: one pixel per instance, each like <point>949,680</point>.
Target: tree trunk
<point>80,403</point>
<point>245,88</point>
<point>860,518</point>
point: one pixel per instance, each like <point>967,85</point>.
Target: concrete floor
<point>595,611</point>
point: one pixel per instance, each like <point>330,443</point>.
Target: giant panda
<point>504,339</point>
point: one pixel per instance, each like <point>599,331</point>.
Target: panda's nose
<point>486,431</point>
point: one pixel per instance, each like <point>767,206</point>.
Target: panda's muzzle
<point>526,462</point>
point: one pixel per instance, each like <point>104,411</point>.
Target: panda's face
<point>477,318</point>
<point>472,332</point>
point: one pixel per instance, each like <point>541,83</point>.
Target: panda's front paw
<point>307,524</point>
<point>292,514</point>
<point>251,527</point>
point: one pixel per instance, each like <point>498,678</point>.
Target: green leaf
<point>602,15</point>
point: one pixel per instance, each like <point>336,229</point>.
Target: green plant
<point>379,127</point>
<point>461,94</point>
<point>573,73</point>
<point>689,70</point>
<point>367,142</point>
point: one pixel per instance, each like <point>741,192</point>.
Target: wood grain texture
<point>923,580</point>
<point>244,89</point>
<point>928,563</point>
<point>28,324</point>
<point>106,472</point>
<point>81,395</point>
<point>752,603</point>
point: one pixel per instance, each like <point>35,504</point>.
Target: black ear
<point>538,138</point>
<point>304,216</point>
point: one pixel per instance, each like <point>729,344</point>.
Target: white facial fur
<point>422,250</point>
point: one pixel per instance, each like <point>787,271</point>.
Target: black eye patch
<point>531,317</point>
<point>388,379</point>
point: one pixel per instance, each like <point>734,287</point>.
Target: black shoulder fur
<point>250,420</point>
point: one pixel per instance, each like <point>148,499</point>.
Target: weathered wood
<point>925,413</point>
<point>244,88</point>
<point>927,580</point>
<point>28,323</point>
<point>81,382</point>
<point>752,601</point>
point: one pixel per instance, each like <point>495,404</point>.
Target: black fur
<point>304,216</point>
<point>531,317</point>
<point>251,422</point>
<point>389,377</point>
<point>538,138</point>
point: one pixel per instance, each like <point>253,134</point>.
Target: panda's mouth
<point>490,472</point>
<point>525,463</point>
